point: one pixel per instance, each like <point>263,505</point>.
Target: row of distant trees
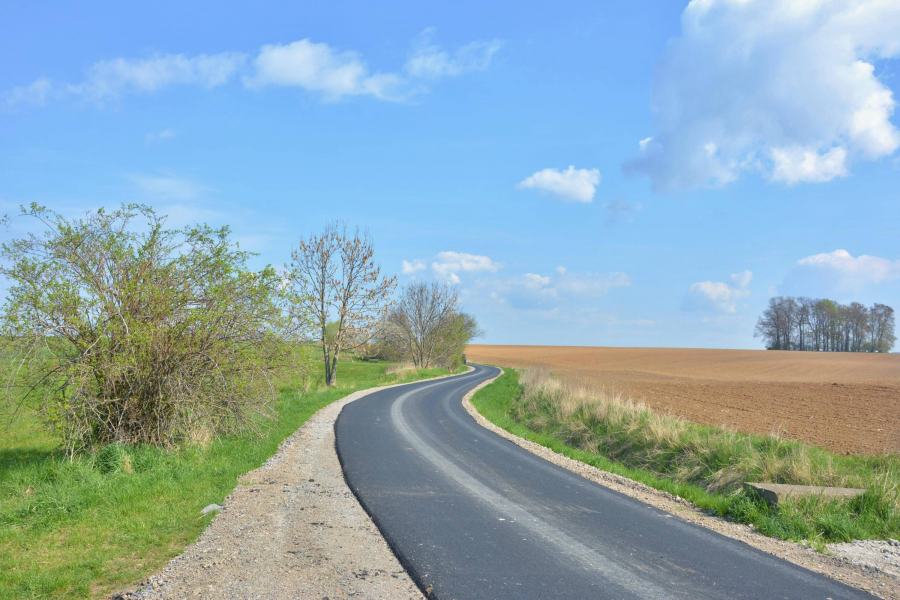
<point>822,325</point>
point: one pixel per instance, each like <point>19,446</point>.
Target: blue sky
<point>720,152</point>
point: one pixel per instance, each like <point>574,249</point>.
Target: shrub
<point>127,332</point>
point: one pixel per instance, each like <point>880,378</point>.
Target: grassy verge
<point>702,464</point>
<point>87,527</point>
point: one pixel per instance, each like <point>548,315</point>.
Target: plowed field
<point>847,402</point>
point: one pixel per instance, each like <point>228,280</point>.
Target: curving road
<point>471,515</point>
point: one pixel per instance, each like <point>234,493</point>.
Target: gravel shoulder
<point>870,565</point>
<point>290,529</point>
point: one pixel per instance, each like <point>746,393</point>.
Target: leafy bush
<point>127,332</point>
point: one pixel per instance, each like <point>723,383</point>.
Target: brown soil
<point>847,402</point>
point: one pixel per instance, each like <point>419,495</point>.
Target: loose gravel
<point>864,565</point>
<point>290,529</point>
<point>871,554</point>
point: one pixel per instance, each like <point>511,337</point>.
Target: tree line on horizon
<point>822,325</point>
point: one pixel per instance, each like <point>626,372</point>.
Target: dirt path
<point>291,529</point>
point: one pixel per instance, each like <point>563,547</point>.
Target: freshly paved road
<point>471,515</point>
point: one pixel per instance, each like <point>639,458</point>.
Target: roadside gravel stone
<point>871,554</point>
<point>290,529</point>
<point>854,564</point>
<point>211,508</point>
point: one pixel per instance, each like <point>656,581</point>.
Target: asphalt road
<point>471,515</point>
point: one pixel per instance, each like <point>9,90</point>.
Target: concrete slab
<point>777,492</point>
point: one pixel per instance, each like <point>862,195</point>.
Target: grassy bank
<point>705,465</point>
<point>90,526</point>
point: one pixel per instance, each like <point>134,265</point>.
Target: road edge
<point>877,583</point>
<point>155,586</point>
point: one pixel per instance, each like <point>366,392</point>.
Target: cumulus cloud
<point>718,296</point>
<point>316,67</point>
<point>410,267</point>
<point>780,87</point>
<point>576,185</point>
<point>449,265</point>
<point>319,68</point>
<point>839,272</point>
<point>431,61</point>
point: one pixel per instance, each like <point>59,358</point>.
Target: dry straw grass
<point>718,459</point>
<point>401,370</point>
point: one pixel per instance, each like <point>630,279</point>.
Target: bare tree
<point>428,326</point>
<point>335,280</point>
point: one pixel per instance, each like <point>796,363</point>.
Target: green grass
<point>585,438</point>
<point>87,527</point>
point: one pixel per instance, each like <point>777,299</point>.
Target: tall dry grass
<point>718,459</point>
<point>401,370</point>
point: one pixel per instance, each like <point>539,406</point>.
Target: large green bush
<point>125,331</point>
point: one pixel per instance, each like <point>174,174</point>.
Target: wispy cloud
<point>430,61</point>
<point>619,210</point>
<point>158,136</point>
<point>36,93</point>
<point>718,296</point>
<point>165,187</point>
<point>111,79</point>
<point>561,288</point>
<point>315,67</point>
<point>449,265</point>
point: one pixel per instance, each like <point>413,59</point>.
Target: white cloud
<point>577,185</point>
<point>588,284</point>
<point>408,268</point>
<point>717,295</point>
<point>564,288</point>
<point>841,271</point>
<point>783,87</point>
<point>110,79</point>
<point>36,93</point>
<point>158,136</point>
<point>644,143</point>
<point>316,67</point>
<point>448,265</point>
<point>430,61</point>
<point>167,187</point>
<point>795,165</point>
